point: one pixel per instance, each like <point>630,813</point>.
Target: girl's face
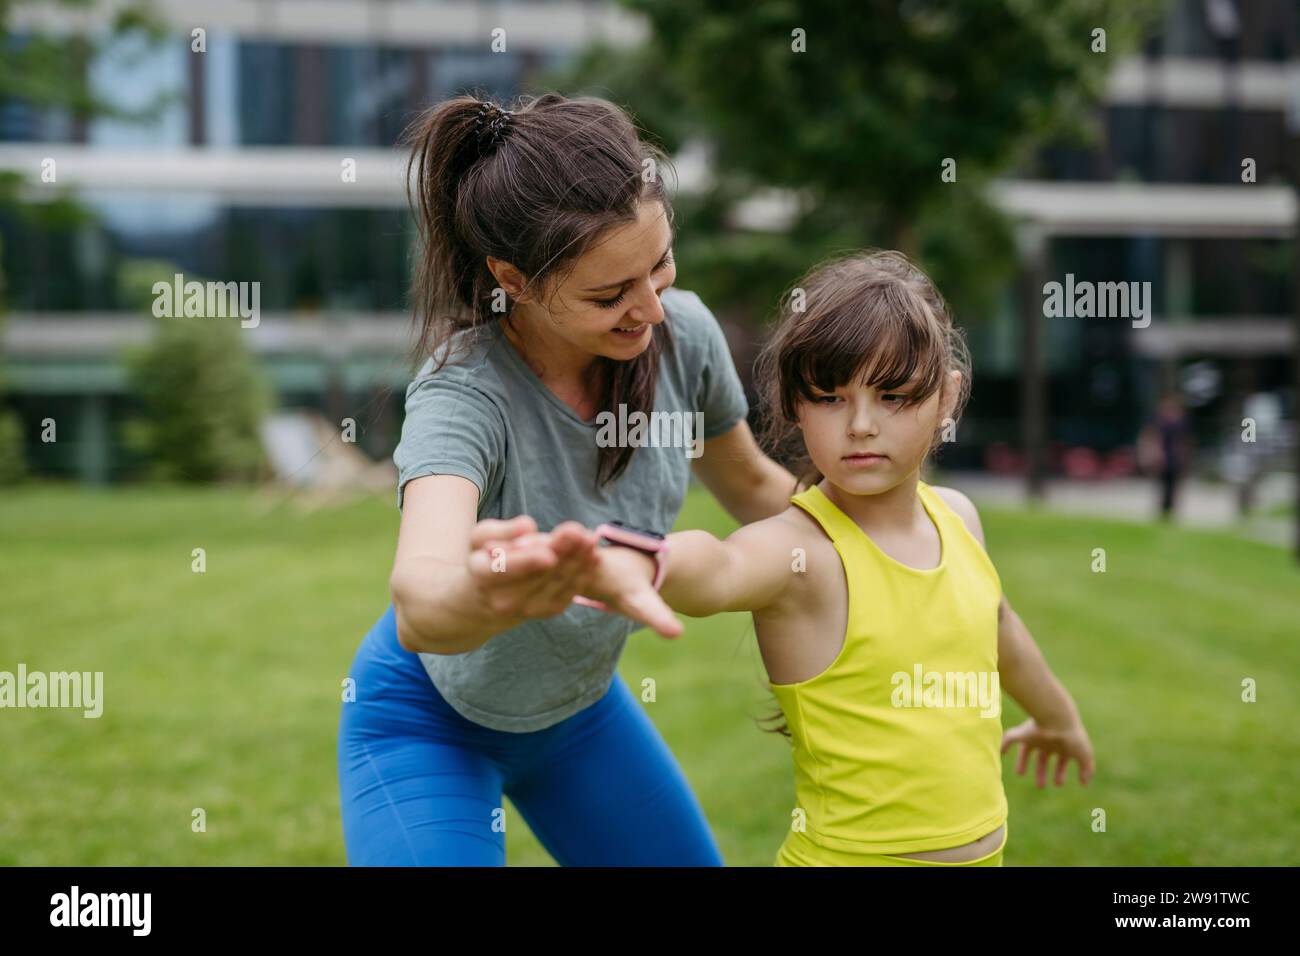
<point>609,302</point>
<point>864,440</point>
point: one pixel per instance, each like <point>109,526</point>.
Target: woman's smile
<point>632,333</point>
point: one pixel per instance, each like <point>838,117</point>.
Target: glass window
<point>305,259</point>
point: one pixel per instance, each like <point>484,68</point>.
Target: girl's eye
<point>893,395</point>
<point>825,399</point>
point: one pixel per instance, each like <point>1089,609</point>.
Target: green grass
<point>222,689</point>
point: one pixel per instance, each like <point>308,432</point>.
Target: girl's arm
<point>1054,725</point>
<point>1024,674</point>
<point>749,571</point>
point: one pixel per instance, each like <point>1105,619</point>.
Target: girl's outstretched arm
<point>749,571</point>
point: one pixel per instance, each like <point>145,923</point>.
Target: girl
<point>880,618</point>
<point>543,294</point>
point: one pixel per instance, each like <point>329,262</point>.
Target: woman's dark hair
<point>535,186</point>
<point>870,315</point>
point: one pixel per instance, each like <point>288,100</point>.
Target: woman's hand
<point>620,577</point>
<point>1067,743</point>
<point>521,573</point>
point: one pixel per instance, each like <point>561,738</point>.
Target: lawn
<point>222,689</point>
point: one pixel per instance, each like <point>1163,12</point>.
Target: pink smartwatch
<point>651,542</point>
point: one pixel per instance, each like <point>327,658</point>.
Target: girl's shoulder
<point>791,539</point>
<point>791,527</point>
<point>964,508</point>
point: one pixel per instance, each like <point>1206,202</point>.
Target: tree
<point>854,107</point>
<point>50,72</point>
<point>201,393</point>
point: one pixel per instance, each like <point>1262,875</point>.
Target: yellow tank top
<point>897,745</point>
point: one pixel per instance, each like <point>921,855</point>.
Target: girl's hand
<point>521,573</point>
<point>1066,742</point>
<point>622,578</point>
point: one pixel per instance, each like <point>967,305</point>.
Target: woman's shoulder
<point>677,300</point>
<point>466,361</point>
<point>467,389</point>
<point>693,323</point>
<point>700,357</point>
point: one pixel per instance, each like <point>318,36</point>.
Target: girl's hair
<point>553,177</point>
<point>872,316</point>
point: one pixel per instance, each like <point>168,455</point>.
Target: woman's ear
<point>508,278</point>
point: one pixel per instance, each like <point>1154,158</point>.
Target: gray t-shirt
<point>490,419</point>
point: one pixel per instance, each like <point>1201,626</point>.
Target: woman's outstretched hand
<point>525,573</point>
<point>522,573</point>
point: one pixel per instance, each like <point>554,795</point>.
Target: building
<point>240,180</point>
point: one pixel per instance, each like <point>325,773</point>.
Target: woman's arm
<point>746,482</point>
<point>447,603</point>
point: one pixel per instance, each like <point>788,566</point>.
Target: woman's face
<point>865,440</point>
<point>610,300</point>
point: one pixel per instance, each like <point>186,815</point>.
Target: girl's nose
<point>862,423</point>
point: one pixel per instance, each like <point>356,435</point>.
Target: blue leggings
<point>420,785</point>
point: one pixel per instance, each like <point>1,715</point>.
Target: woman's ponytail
<point>444,148</point>
<point>536,187</point>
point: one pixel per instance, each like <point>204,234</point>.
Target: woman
<point>543,294</point>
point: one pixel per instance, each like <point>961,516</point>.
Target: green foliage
<point>203,398</point>
<point>860,123</point>
<point>13,459</point>
<point>51,71</point>
<point>13,465</point>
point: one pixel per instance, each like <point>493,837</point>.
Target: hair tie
<point>492,125</point>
